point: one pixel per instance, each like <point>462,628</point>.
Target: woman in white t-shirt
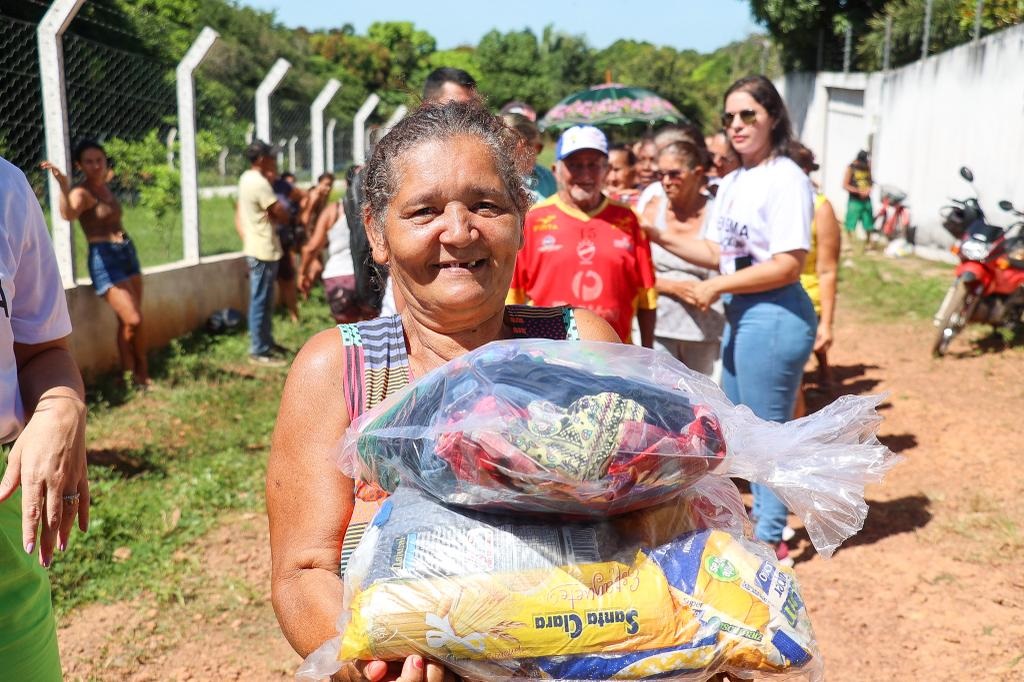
<point>758,238</point>
<point>42,411</point>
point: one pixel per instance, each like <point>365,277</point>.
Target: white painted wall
<point>176,299</point>
<point>923,121</point>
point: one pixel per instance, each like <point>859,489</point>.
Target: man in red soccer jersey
<point>584,250</point>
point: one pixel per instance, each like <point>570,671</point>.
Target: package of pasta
<point>654,594</point>
<point>595,429</point>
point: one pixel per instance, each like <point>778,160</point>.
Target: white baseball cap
<point>580,137</point>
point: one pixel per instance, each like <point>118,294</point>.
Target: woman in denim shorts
<point>113,262</point>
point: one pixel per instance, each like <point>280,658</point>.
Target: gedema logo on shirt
<point>573,623</point>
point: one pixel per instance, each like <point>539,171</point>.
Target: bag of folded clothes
<point>672,591</point>
<point>595,429</point>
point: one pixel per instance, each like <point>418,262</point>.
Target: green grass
<point>888,290</point>
<point>165,466</point>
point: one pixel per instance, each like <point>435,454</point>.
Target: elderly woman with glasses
<point>691,335</point>
<point>758,237</point>
<point>444,210</point>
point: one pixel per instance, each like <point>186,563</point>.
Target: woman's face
<point>621,173</point>
<point>751,138</point>
<point>93,164</point>
<point>647,164</point>
<point>678,179</point>
<point>451,232</point>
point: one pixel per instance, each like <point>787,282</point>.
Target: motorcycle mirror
<point>1006,205</point>
<point>966,174</point>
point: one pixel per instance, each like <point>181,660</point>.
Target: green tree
<point>408,49</point>
<point>952,24</point>
<point>510,68</point>
<point>807,29</point>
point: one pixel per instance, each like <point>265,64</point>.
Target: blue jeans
<point>262,274</point>
<point>111,263</point>
<point>766,343</point>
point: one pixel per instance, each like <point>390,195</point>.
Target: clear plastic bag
<point>669,592</point>
<point>594,429</point>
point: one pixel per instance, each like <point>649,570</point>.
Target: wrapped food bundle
<point>498,597</point>
<point>595,429</point>
<point>565,511</point>
<point>513,431</point>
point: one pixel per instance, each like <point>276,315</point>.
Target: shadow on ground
<point>885,519</point>
<point>125,462</point>
<point>899,442</point>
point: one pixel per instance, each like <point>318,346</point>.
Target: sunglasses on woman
<point>748,116</point>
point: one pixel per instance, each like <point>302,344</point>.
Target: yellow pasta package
<point>572,601</point>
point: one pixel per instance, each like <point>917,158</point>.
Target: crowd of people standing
<point>715,250</point>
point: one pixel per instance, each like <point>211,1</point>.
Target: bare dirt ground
<point>931,589</point>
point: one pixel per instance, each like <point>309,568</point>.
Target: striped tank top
<point>377,365</point>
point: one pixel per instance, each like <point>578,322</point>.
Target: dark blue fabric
<point>111,263</point>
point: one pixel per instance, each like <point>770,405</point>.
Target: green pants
<point>859,209</point>
<point>28,633</point>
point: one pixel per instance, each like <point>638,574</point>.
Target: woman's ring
<point>72,499</point>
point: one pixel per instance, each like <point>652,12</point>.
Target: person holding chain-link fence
<point>113,262</point>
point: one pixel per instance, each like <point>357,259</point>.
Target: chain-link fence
<point>22,136</point>
<point>120,91</point>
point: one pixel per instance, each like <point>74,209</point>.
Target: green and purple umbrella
<point>612,104</point>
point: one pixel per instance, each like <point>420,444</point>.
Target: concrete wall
<point>964,107</point>
<point>176,299</point>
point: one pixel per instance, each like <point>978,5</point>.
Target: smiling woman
<point>444,211</point>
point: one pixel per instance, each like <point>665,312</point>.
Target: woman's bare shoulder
<point>594,327</point>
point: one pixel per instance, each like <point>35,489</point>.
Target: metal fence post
<point>397,115</point>
<point>280,154</point>
<point>316,126</point>
<point>263,93</point>
<point>927,29</point>
<point>820,57</point>
<point>847,46</point>
<point>887,46</point>
<point>977,20</point>
<point>359,128</point>
<point>172,134</point>
<point>55,117</point>
<point>187,154</point>
<point>291,153</point>
<point>330,144</point>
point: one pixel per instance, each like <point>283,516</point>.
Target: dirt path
<point>932,588</point>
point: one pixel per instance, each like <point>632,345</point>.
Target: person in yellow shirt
<point>821,269</point>
<point>857,182</point>
<point>258,210</point>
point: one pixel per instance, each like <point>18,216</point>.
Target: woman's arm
<point>677,288</point>
<point>309,504</point>
<point>783,268</point>
<point>702,252</point>
<point>309,501</point>
<point>593,327</point>
<point>828,270</point>
<point>48,459</point>
<point>74,201</point>
<point>317,240</point>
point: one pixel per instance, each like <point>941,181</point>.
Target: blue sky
<point>702,25</point>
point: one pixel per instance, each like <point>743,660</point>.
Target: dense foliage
<point>811,33</point>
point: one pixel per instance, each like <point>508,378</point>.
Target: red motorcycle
<point>989,284</point>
